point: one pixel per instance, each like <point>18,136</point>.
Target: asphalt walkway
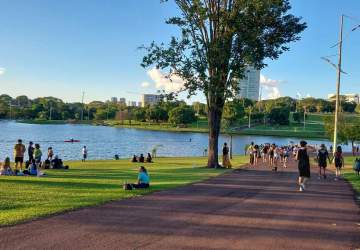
<point>252,208</point>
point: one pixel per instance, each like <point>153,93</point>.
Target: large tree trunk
<point>214,117</point>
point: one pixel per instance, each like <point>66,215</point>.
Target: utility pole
<point>338,84</point>
<point>304,117</point>
<point>82,105</point>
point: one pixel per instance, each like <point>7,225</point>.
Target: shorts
<point>84,156</point>
<point>19,159</point>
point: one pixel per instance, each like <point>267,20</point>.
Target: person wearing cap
<point>322,157</point>
<point>303,165</point>
<point>19,150</point>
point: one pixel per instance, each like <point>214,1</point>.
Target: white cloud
<point>2,71</point>
<point>163,82</point>
<point>145,84</point>
<point>271,87</point>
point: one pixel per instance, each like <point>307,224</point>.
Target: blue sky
<point>61,48</point>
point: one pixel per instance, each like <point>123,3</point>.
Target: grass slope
<point>350,175</point>
<point>92,183</point>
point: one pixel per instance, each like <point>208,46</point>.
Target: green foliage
<point>156,113</point>
<point>233,112</point>
<point>92,183</point>
<point>182,115</point>
<point>279,116</point>
<point>140,114</point>
<point>298,117</point>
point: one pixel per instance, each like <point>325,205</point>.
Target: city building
<point>114,99</point>
<point>149,99</point>
<point>122,101</point>
<point>131,103</point>
<point>250,84</point>
<point>347,98</point>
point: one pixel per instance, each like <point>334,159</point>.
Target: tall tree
<point>219,39</point>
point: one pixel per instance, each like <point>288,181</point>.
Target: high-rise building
<point>122,101</point>
<point>150,99</point>
<point>250,84</point>
<point>114,99</point>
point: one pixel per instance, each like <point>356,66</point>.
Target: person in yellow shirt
<point>19,150</point>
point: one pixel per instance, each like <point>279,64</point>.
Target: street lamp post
<point>338,83</point>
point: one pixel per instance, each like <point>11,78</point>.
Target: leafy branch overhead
<point>219,38</point>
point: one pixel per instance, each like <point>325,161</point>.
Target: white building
<point>347,97</point>
<point>131,104</point>
<point>250,84</point>
<point>150,99</point>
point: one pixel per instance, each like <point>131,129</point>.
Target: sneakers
<point>302,188</point>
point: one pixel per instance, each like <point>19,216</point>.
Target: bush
<point>182,115</point>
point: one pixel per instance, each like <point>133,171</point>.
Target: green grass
<point>350,175</point>
<point>92,183</point>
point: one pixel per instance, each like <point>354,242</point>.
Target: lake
<point>105,142</point>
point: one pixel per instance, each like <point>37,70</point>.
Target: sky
<point>62,48</point>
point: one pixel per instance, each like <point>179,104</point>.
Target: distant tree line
<point>274,111</point>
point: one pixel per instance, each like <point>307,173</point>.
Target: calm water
<point>105,142</point>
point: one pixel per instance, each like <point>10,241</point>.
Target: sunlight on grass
<point>93,183</point>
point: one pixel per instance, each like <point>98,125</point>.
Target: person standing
<point>303,165</point>
<point>37,154</point>
<point>84,154</point>
<point>226,159</point>
<point>251,151</point>
<point>339,162</point>
<point>19,151</point>
<point>31,151</point>
<point>322,157</point>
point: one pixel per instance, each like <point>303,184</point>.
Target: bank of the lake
<point>293,130</point>
<point>93,183</point>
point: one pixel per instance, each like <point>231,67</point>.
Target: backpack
<point>127,186</point>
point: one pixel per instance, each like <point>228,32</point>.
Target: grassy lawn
<point>350,175</point>
<point>92,183</point>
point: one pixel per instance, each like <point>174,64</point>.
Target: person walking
<point>84,154</point>
<point>19,151</point>
<point>339,162</point>
<point>303,165</point>
<point>251,151</point>
<point>322,157</point>
<point>226,158</point>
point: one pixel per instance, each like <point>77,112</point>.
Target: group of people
<point>142,159</point>
<point>273,155</point>
<point>34,161</point>
<point>269,153</point>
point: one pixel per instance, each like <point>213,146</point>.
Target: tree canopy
<point>218,40</point>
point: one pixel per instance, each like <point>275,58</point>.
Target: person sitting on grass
<point>134,159</point>
<point>141,158</point>
<point>143,179</point>
<point>149,158</point>
<point>5,168</point>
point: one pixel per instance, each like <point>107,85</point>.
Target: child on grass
<point>5,168</point>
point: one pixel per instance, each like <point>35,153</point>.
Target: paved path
<point>245,209</point>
